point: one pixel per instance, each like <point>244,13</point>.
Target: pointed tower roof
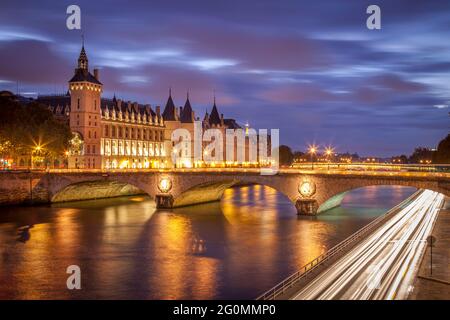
<point>214,118</point>
<point>82,72</point>
<point>83,62</point>
<point>187,114</point>
<point>169,110</point>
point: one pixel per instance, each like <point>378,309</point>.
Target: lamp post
<point>35,149</point>
<point>66,164</point>
<point>329,152</point>
<point>312,151</point>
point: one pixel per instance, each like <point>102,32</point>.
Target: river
<point>125,249</point>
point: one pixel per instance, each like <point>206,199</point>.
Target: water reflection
<point>125,249</point>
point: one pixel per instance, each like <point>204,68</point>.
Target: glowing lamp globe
<point>165,184</point>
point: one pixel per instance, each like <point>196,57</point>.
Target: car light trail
<point>383,265</point>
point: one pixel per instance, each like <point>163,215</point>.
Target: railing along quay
<point>307,269</point>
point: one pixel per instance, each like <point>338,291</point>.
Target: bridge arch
<point>333,196</point>
<point>213,191</point>
<point>96,189</point>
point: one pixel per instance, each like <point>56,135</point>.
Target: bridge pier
<point>164,201</point>
<point>306,207</point>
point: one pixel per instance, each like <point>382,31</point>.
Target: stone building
<point>112,133</point>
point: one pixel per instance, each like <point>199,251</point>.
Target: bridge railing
<point>307,269</point>
<point>385,170</point>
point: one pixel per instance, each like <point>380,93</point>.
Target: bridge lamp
<point>329,151</point>
<point>312,150</point>
<point>165,185</point>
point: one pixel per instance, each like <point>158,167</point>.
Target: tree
<point>27,128</point>
<point>442,154</point>
<point>400,159</point>
<point>421,155</point>
<point>286,155</point>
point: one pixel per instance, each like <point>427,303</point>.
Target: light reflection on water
<point>234,249</point>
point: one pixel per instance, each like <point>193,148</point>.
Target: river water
<point>234,249</point>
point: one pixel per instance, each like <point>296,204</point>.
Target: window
<point>93,149</point>
<point>95,134</point>
<point>106,131</point>
<point>89,133</point>
<point>78,103</point>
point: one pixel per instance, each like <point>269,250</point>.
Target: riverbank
<point>435,285</point>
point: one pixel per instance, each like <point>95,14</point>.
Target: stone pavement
<point>437,285</point>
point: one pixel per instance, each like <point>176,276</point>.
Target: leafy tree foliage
<point>421,154</point>
<point>442,154</point>
<point>24,127</point>
<point>286,155</point>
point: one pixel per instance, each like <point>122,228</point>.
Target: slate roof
<point>84,75</point>
<point>214,117</point>
<point>169,110</point>
<point>186,113</point>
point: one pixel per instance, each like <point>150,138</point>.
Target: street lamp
<point>329,152</point>
<point>35,149</point>
<point>312,151</point>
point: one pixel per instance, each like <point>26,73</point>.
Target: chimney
<point>158,110</point>
<point>96,74</point>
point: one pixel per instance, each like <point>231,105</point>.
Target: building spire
<point>82,59</point>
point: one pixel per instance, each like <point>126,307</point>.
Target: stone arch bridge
<point>322,191</point>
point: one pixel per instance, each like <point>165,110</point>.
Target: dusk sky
<point>310,68</point>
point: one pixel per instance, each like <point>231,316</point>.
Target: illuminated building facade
<point>111,133</point>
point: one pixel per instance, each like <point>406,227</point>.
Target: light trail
<point>383,265</point>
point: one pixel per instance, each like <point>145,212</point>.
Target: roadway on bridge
<point>382,266</point>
